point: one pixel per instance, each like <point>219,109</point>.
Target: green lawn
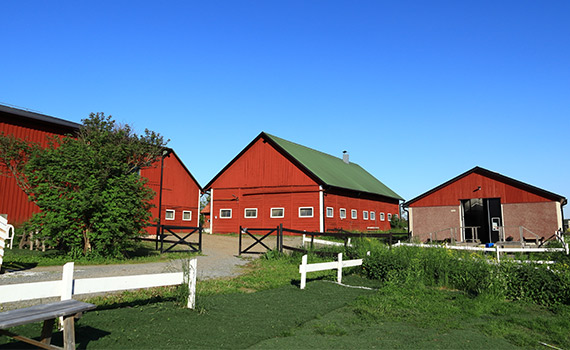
<point>265,309</point>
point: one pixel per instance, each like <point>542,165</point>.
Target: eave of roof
<point>325,169</point>
<point>495,176</point>
<point>39,117</point>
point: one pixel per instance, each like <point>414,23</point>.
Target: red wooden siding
<point>179,192</point>
<point>465,187</point>
<point>13,201</point>
<point>360,204</point>
<point>262,178</point>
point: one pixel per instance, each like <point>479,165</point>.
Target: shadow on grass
<point>83,336</point>
<point>17,266</point>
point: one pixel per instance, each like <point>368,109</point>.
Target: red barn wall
<point>13,201</point>
<point>337,202</point>
<point>262,178</point>
<point>464,189</point>
<point>179,192</point>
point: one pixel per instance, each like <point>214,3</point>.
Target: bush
<point>469,272</point>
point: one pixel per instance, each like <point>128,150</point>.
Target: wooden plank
<point>108,284</point>
<point>42,312</point>
<point>26,291</point>
<point>29,341</point>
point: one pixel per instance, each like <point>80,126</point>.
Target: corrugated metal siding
<point>465,188</point>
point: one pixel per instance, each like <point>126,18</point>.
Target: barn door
<point>494,218</point>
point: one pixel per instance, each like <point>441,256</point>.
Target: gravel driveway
<point>219,259</point>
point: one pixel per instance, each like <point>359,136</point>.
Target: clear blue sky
<point>417,91</point>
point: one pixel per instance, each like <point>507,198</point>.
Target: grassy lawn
<point>264,308</point>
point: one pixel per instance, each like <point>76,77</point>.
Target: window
<point>250,213</point>
<point>342,213</point>
<point>170,214</point>
<point>396,215</point>
<point>381,216</point>
<point>372,215</point>
<point>354,214</point>
<point>277,212</point>
<point>306,212</point>
<point>330,212</point>
<point>389,217</point>
<point>187,215</point>
<point>225,213</point>
<point>365,215</point>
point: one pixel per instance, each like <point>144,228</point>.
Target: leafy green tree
<point>397,223</point>
<point>92,198</point>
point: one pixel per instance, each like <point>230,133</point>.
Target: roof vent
<point>345,157</point>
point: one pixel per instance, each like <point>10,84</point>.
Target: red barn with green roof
<point>273,181</point>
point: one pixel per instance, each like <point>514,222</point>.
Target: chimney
<point>345,157</point>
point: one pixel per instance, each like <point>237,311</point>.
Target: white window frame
<point>331,209</point>
<point>274,216</point>
<point>225,217</point>
<point>354,214</point>
<point>382,217</point>
<point>184,212</point>
<point>372,215</point>
<point>342,211</point>
<point>170,211</point>
<point>249,217</point>
<point>389,216</point>
<point>306,216</point>
<point>364,215</point>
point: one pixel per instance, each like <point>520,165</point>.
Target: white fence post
<point>339,269</point>
<point>497,249</point>
<point>303,271</point>
<point>192,269</point>
<point>67,281</point>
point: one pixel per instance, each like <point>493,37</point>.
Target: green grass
<point>265,309</point>
<point>141,252</point>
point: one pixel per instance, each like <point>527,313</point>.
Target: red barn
<point>486,206</point>
<point>274,181</point>
<point>180,191</point>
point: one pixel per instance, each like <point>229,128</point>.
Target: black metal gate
<point>178,238</point>
<point>267,232</point>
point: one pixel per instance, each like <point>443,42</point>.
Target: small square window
<point>170,214</point>
<point>381,216</point>
<point>389,217</point>
<point>250,213</point>
<point>277,212</point>
<point>187,215</point>
<point>372,215</point>
<point>354,214</point>
<point>342,213</point>
<point>365,215</point>
<point>225,213</point>
<point>306,212</point>
<point>330,212</point>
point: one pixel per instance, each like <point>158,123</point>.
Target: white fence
<point>67,286</point>
<point>338,265</point>
<point>325,242</point>
<point>497,250</point>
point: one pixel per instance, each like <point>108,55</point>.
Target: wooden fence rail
<point>68,286</point>
<point>338,265</point>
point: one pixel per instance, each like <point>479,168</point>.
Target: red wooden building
<point>180,191</point>
<point>273,181</point>
<point>484,205</point>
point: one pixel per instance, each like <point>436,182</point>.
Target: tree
<point>92,198</point>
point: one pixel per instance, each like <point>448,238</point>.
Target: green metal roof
<point>333,171</point>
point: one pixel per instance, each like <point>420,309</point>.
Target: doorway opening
<point>483,214</point>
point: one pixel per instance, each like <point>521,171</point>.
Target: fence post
<point>303,271</point>
<point>303,242</point>
<point>280,237</point>
<point>497,250</point>
<point>161,238</point>
<point>339,271</point>
<point>240,230</point>
<point>192,272</point>
<point>200,229</point>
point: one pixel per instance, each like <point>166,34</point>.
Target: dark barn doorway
<point>485,214</point>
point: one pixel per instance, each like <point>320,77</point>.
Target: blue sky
<point>417,91</point>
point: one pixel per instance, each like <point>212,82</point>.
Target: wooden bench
<point>68,309</point>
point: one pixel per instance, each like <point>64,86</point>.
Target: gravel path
<point>219,259</point>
